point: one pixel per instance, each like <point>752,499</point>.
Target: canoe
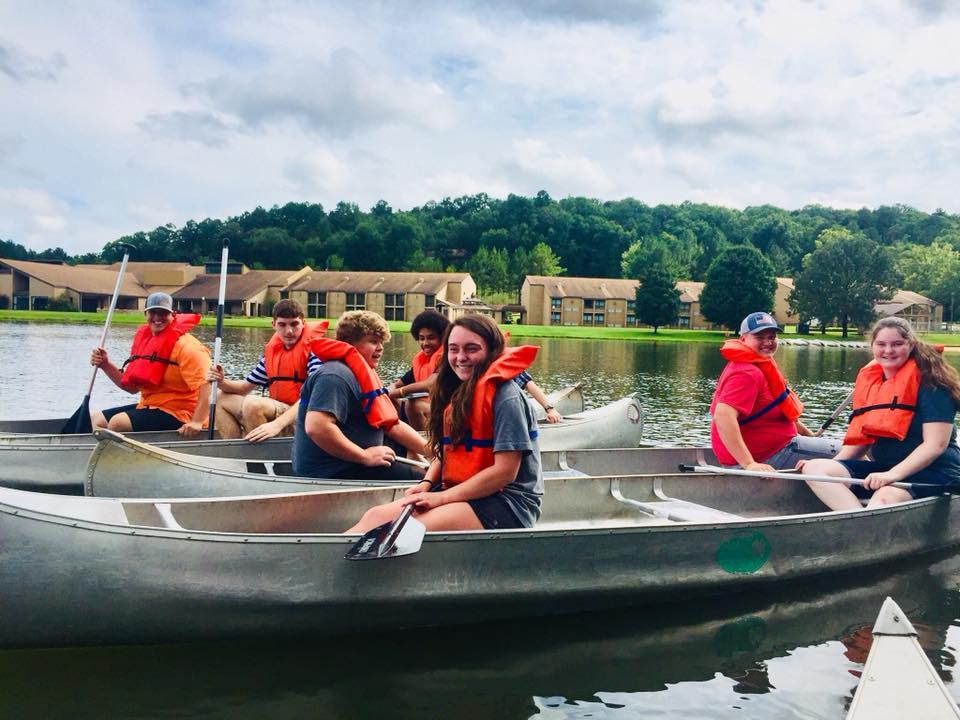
<point>898,680</point>
<point>122,467</point>
<point>54,463</point>
<point>567,400</point>
<point>79,570</point>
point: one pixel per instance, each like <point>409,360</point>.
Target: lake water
<point>790,652</point>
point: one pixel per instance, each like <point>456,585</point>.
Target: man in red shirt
<point>755,415</point>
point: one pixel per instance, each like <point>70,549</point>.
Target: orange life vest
<point>790,405</point>
<point>287,369</point>
<point>423,366</point>
<point>374,401</point>
<point>150,354</point>
<point>882,408</point>
<point>474,452</point>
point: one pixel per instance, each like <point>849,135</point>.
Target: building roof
<point>689,290</point>
<point>582,287</point>
<point>428,283</point>
<point>86,280</point>
<point>239,287</point>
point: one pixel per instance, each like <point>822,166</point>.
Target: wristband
<point>548,408</point>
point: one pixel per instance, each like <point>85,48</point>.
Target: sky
<point>123,116</point>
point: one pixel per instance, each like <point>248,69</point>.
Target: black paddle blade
<point>376,544</point>
<point>79,422</point>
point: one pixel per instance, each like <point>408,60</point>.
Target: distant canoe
<point>79,570</point>
<point>122,467</point>
<point>898,680</point>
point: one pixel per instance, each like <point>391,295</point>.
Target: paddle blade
<point>79,422</point>
<point>375,544</point>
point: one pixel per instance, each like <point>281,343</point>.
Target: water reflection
<point>782,653</point>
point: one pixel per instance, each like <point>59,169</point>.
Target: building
<point>690,317</point>
<point>394,295</point>
<point>924,314</point>
<point>605,302</point>
<point>31,285</point>
<point>165,277</point>
<point>781,303</point>
<point>248,292</point>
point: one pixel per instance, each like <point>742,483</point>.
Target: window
<point>317,305</point>
<point>598,319</point>
<point>39,302</point>
<point>599,304</point>
<point>554,318</point>
<point>555,303</point>
<point>393,306</point>
<point>588,318</point>
<point>588,304</point>
<point>631,319</point>
<point>356,301</point>
<point>429,301</point>
<point>631,305</point>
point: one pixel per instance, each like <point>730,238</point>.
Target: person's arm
<point>321,427</point>
<point>274,427</point>
<point>936,438</point>
<point>491,479</point>
<point>726,418</point>
<point>194,426</point>
<point>537,394</point>
<point>409,438</point>
<point>231,387</point>
<point>803,429</point>
<point>399,390</point>
<point>99,358</point>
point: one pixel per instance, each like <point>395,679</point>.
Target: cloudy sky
<point>122,116</point>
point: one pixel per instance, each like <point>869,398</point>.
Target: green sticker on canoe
<point>744,553</point>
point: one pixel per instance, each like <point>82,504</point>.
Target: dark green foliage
<point>658,300</point>
<point>740,281</point>
<point>843,279</point>
<point>63,303</point>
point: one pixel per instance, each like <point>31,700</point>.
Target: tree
<point>489,270</point>
<point>677,256</point>
<point>844,278</point>
<point>658,300</point>
<point>740,281</point>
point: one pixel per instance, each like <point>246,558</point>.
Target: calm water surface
<point>794,652</point>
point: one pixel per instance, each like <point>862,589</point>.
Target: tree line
<point>501,241</point>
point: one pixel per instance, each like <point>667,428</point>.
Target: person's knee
<point>888,496</point>
<point>120,423</point>
<point>823,467</point>
<point>98,420</point>
<point>255,412</point>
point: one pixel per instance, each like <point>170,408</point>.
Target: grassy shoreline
<point>643,334</point>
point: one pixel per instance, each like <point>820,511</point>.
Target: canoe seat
<point>151,515</point>
<point>674,509</point>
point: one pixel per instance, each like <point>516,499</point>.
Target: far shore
<point>641,334</point>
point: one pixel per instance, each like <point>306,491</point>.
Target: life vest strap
<point>367,398</point>
<point>153,357</point>
<point>767,408</point>
<point>279,378</point>
<point>892,405</point>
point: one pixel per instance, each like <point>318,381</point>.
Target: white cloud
<point>136,115</point>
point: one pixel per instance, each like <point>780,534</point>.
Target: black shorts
<point>494,513</point>
<point>144,419</point>
<point>399,472</point>
<point>862,468</point>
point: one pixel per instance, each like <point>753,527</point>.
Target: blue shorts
<point>143,419</point>
<point>862,468</point>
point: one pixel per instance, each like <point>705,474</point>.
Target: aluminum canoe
<point>57,463</point>
<point>898,680</point>
<point>567,400</point>
<point>122,467</point>
<point>79,570</point>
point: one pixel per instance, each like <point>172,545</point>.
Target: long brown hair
<point>934,370</point>
<point>456,393</point>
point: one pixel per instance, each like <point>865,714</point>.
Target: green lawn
<point>516,331</point>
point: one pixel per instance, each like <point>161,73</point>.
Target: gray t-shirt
<point>331,389</point>
<point>513,424</point>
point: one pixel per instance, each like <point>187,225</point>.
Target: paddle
<point>835,415</point>
<point>80,421</point>
<point>403,536</point>
<point>787,475</point>
<point>219,333</point>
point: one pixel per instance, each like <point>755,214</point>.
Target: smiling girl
<point>905,401</point>
<point>484,435</point>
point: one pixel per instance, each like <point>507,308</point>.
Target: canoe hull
<point>101,580</point>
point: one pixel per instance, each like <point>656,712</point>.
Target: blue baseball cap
<point>755,322</point>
